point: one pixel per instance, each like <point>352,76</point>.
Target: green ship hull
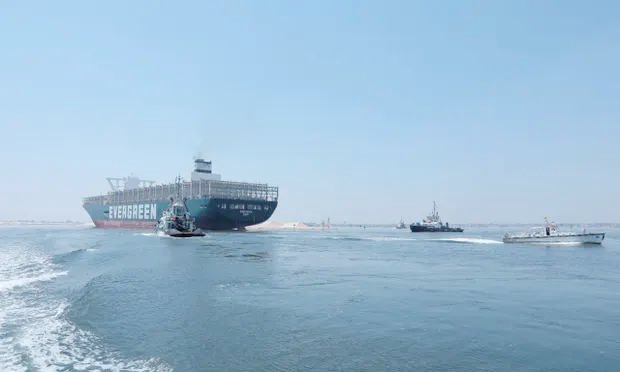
<point>209,213</point>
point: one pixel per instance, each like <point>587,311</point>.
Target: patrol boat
<point>432,223</point>
<point>176,221</point>
<point>552,235</point>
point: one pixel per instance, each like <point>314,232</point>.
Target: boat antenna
<point>178,182</point>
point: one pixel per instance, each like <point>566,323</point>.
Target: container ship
<point>215,204</point>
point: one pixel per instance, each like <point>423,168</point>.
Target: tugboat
<point>176,221</point>
<point>432,223</point>
<point>552,235</point>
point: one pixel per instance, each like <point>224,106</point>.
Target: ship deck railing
<point>191,190</point>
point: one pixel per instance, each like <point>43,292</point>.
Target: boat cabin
<point>179,210</point>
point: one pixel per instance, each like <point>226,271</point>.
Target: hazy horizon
<point>363,112</point>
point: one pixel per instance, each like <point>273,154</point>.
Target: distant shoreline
<point>315,225</point>
<point>42,223</point>
<point>603,224</point>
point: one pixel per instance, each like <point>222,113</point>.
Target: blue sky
<point>361,111</point>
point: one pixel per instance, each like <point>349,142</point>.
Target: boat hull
<point>184,234</point>
<point>422,228</point>
<point>587,238</point>
<point>209,213</point>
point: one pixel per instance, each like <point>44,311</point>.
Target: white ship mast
<point>434,216</point>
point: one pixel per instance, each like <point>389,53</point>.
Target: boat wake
<point>66,257</point>
<point>150,234</point>
<point>346,238</point>
<point>371,239</point>
<point>391,239</point>
<point>51,342</point>
<point>468,240</point>
<point>36,333</point>
<point>157,234</point>
<point>12,284</point>
<point>20,269</point>
<point>401,239</point>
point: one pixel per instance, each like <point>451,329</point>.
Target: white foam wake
<point>390,239</point>
<point>19,268</point>
<point>53,343</point>
<point>159,234</point>
<point>148,234</point>
<point>469,240</point>
<point>7,285</point>
<point>35,333</point>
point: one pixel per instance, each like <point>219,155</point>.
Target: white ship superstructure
<point>550,234</point>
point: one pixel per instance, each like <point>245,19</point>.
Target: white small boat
<point>551,235</point>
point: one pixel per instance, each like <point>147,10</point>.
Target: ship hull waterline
<point>420,228</point>
<point>184,234</point>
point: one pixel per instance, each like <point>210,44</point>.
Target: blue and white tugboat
<point>176,221</point>
<point>432,223</point>
<point>552,235</point>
